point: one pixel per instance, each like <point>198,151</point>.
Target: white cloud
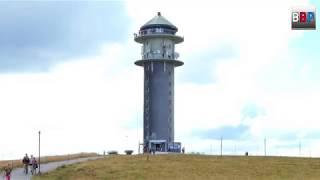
<point>83,105</point>
<point>261,33</point>
<point>87,104</point>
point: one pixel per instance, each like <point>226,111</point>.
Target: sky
<point>67,70</point>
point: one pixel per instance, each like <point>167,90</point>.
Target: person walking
<point>34,165</point>
<point>7,172</point>
<point>26,162</point>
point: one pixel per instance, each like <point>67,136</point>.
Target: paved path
<point>17,174</point>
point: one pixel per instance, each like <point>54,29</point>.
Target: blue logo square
<point>310,17</point>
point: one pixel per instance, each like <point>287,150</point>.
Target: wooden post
<point>39,155</point>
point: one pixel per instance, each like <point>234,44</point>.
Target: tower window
<point>151,67</point>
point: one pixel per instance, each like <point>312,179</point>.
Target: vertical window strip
<point>151,66</point>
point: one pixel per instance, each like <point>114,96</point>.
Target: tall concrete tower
<point>158,38</point>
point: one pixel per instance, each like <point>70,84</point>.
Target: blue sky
<point>67,69</point>
<point>37,35</point>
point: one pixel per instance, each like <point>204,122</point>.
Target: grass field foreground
<point>189,167</point>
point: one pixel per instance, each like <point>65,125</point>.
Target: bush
<point>128,152</point>
<point>112,152</point>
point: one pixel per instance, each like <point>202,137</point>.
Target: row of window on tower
<point>157,30</point>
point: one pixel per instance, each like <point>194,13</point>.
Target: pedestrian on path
<point>34,165</point>
<point>26,162</point>
<point>7,172</point>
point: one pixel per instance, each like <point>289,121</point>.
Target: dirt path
<point>17,174</point>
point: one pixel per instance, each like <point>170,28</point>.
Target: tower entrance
<point>158,145</point>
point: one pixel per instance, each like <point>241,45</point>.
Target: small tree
<point>128,152</point>
<point>112,152</point>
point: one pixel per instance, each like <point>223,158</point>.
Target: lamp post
<point>39,153</point>
<point>221,146</point>
<point>127,143</point>
<point>265,146</point>
<point>300,148</point>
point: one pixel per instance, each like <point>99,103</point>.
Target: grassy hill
<point>190,167</point>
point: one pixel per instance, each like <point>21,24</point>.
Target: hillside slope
<point>190,167</point>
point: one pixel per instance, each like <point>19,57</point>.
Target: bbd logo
<point>303,18</point>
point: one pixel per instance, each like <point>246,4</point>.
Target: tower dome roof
<point>159,21</point>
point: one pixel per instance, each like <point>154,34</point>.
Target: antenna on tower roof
<point>159,13</point>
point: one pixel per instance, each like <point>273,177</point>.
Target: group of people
<point>26,163</point>
<point>30,161</point>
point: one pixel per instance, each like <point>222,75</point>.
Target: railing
<point>157,55</point>
<point>155,31</point>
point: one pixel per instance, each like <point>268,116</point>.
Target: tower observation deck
<point>158,38</point>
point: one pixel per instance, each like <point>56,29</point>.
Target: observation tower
<point>158,38</point>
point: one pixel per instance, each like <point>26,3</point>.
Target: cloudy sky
<point>67,69</point>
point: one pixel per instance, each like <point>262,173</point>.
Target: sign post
<point>39,154</point>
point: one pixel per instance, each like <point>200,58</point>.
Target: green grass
<point>189,167</point>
